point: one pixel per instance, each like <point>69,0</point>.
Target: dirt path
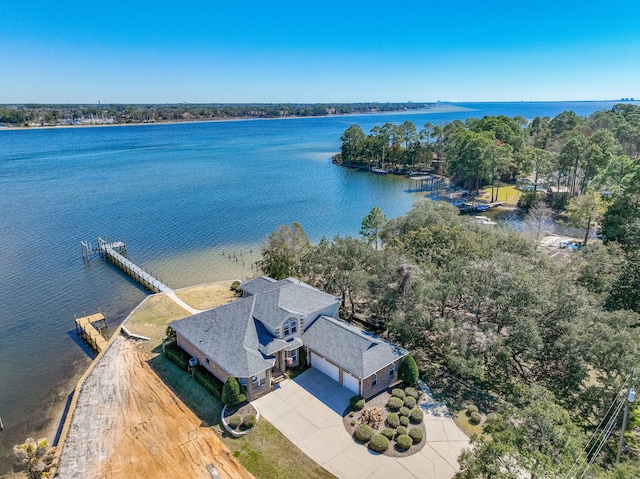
<point>127,423</point>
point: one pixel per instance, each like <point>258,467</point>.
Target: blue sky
<point>329,51</point>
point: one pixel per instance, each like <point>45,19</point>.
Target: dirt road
<point>128,424</point>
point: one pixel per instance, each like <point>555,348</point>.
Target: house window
<point>392,370</point>
<point>374,380</point>
<point>290,327</point>
<point>294,355</point>
<point>259,379</point>
<point>207,360</point>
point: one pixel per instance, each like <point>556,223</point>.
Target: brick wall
<point>384,380</point>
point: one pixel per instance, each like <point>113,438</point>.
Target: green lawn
<point>264,452</point>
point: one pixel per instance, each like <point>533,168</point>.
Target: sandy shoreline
<point>125,422</point>
<point>438,108</point>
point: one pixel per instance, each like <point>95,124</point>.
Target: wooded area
<point>46,115</point>
<point>543,347</point>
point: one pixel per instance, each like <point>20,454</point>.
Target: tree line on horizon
<point>44,114</point>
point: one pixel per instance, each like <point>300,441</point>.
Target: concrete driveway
<point>308,411</point>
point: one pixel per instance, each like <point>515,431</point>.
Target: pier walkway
<point>116,253</point>
<point>112,252</point>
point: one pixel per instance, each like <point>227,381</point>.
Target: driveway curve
<point>308,411</point>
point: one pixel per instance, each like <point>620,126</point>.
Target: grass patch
<point>267,454</point>
<point>462,421</point>
<point>507,193</point>
<point>264,452</point>
<point>207,296</point>
<point>154,314</point>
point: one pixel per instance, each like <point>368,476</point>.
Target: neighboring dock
<point>93,336</point>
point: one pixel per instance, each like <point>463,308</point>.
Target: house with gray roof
<point>258,337</point>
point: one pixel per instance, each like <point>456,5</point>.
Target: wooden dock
<point>85,326</point>
<point>116,253</point>
<point>112,252</point>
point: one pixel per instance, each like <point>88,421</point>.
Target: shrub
<point>408,371</point>
<point>475,418</point>
<point>356,402</point>
<point>399,393</point>
<point>410,402</point>
<point>400,430</point>
<point>404,421</point>
<point>393,420</point>
<point>234,421</point>
<point>413,392</point>
<point>232,393</point>
<point>249,421</point>
<point>353,423</point>
<point>404,411</point>
<point>491,417</point>
<point>363,433</point>
<point>177,355</point>
<point>235,287</point>
<point>394,403</point>
<point>404,442</point>
<point>416,416</point>
<point>416,434</point>
<point>471,409</point>
<point>208,381</point>
<point>388,432</point>
<point>379,443</point>
<point>351,413</point>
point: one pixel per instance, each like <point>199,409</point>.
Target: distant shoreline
<point>436,108</point>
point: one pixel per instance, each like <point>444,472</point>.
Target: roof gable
<point>358,351</point>
<point>228,336</point>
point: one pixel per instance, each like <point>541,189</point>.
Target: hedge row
<point>181,358</point>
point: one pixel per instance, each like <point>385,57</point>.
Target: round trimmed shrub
<point>413,392</point>
<point>416,416</point>
<point>404,411</point>
<point>356,402</point>
<point>393,421</point>
<point>410,402</point>
<point>400,430</point>
<point>404,442</point>
<point>249,421</point>
<point>404,421</point>
<point>234,421</point>
<point>388,432</point>
<point>416,434</point>
<point>491,417</point>
<point>379,443</point>
<point>363,433</point>
<point>475,418</point>
<point>394,403</point>
<point>471,409</point>
<point>399,393</point>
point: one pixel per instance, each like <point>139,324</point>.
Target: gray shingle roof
<point>352,348</point>
<point>258,285</point>
<point>276,305</point>
<point>228,336</point>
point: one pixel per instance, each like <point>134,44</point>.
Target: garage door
<point>325,367</point>
<point>350,382</point>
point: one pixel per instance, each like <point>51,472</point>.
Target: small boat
<point>481,207</point>
<point>483,220</point>
<point>379,171</point>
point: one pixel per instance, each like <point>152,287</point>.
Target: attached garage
<point>350,382</point>
<point>325,366</point>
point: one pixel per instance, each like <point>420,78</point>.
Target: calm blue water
<point>180,195</point>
